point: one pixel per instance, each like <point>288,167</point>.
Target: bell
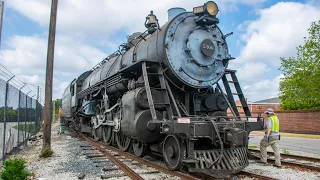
<point>151,20</point>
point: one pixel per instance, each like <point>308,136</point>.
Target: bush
<point>14,169</point>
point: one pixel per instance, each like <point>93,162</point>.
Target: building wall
<point>262,107</point>
<point>257,107</point>
<point>305,122</point>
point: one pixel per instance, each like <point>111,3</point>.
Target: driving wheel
<point>107,134</point>
<point>123,141</point>
<point>97,133</point>
<point>173,152</point>
<point>139,148</point>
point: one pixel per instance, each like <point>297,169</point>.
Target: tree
<point>300,87</point>
<point>57,105</point>
<point>12,114</point>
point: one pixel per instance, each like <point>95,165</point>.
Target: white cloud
<point>27,56</point>
<point>30,53</point>
<point>102,17</point>
<point>250,72</point>
<point>277,32</point>
<point>263,89</point>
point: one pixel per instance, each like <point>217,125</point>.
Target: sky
<point>88,31</point>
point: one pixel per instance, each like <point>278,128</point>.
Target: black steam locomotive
<point>160,92</point>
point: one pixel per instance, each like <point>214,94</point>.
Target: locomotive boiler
<point>160,92</point>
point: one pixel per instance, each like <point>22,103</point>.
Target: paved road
<point>14,136</point>
<point>290,143</point>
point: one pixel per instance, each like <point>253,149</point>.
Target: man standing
<point>272,138</point>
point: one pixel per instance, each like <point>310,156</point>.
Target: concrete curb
<point>309,136</point>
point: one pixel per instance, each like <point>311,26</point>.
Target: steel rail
<point>294,164</point>
<point>290,156</point>
<point>102,147</point>
<point>149,163</point>
<point>128,171</point>
<point>254,175</point>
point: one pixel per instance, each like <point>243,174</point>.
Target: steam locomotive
<point>160,92</point>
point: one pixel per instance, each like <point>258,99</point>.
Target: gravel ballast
<point>67,162</point>
<point>283,173</point>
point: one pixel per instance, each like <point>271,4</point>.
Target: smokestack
<point>173,12</point>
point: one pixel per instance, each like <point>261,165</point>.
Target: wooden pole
<point>1,18</point>
<point>49,77</point>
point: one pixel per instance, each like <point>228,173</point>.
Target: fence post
<point>36,122</point>
<point>25,119</point>
<point>31,131</point>
<point>4,118</point>
<point>19,114</point>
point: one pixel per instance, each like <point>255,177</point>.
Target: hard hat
<point>269,111</point>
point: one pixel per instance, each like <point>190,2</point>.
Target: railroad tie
<point>135,163</point>
<point>89,149</point>
<point>86,146</point>
<point>89,153</point>
<point>101,165</point>
<point>95,155</point>
<point>101,161</point>
<point>110,168</point>
<point>150,172</point>
<point>126,160</point>
<point>106,176</point>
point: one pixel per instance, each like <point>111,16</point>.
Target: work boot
<point>263,162</point>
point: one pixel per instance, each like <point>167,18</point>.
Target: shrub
<point>14,169</point>
<point>46,153</point>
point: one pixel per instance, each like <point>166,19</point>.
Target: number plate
<point>252,119</point>
<point>183,120</point>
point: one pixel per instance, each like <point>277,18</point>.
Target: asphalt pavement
<point>12,134</point>
<point>292,143</point>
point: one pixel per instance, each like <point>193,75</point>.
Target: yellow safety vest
<point>275,123</point>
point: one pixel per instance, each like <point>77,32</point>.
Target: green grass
<point>285,151</point>
<point>29,127</point>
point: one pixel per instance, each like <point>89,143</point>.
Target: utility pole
<point>49,74</point>
<point>1,17</point>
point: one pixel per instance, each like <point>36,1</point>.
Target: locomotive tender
<point>160,93</point>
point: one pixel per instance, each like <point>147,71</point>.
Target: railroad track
<point>130,165</point>
<point>288,160</point>
<point>112,152</point>
<point>123,164</point>
<point>254,175</point>
<point>291,156</point>
<point>124,161</point>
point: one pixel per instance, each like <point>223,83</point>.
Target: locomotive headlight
<point>210,8</point>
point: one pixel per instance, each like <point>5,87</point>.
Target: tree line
<point>300,87</point>
<point>12,114</point>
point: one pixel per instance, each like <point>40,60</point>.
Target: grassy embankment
<point>29,127</point>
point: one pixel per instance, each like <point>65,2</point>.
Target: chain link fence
<point>20,117</point>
